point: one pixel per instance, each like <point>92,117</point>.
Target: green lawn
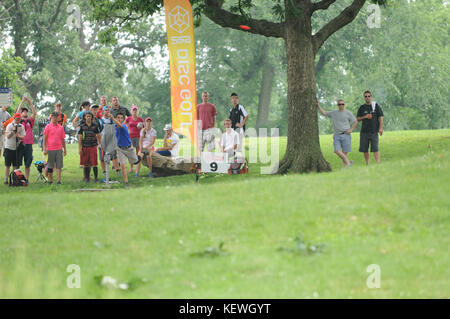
<point>395,215</point>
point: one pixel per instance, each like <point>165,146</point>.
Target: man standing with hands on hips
<point>238,117</point>
<point>371,116</point>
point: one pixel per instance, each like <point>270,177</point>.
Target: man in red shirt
<point>53,145</point>
<point>207,113</point>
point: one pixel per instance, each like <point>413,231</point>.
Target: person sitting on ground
<point>88,140</point>
<point>53,146</point>
<point>14,135</point>
<point>171,143</point>
<point>146,142</point>
<point>124,147</point>
<point>230,140</point>
<point>342,140</point>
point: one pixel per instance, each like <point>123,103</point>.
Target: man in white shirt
<point>230,140</point>
<point>171,143</point>
<point>14,135</point>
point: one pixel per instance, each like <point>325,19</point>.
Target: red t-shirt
<point>55,136</point>
<point>206,113</point>
<point>132,126</point>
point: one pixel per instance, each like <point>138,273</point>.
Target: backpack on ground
<point>17,178</point>
<point>238,168</point>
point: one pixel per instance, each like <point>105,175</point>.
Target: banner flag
<point>183,91</point>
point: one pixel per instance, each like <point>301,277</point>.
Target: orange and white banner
<point>180,37</point>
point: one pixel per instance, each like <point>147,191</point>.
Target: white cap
<point>168,127</point>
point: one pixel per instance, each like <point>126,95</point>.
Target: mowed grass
<point>395,215</point>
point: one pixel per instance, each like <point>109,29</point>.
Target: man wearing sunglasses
<point>371,116</point>
<point>342,140</point>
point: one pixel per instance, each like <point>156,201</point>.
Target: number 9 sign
<point>215,163</point>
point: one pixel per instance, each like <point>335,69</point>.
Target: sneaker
<point>6,183</point>
<point>85,180</point>
<point>50,183</point>
<point>350,164</point>
<point>127,185</point>
<point>150,174</point>
<point>59,183</point>
<point>136,175</point>
<point>103,180</point>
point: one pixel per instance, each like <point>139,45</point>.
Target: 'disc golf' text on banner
<point>180,37</point>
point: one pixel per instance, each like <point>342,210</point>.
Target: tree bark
<point>303,153</point>
<point>265,93</point>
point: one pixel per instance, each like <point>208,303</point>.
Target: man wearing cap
<point>117,109</point>
<point>53,146</point>
<point>14,135</point>
<point>146,142</point>
<point>109,142</point>
<point>28,123</point>
<point>124,147</point>
<point>134,124</point>
<point>88,139</point>
<point>4,116</point>
<point>171,143</point>
<point>206,113</point>
<point>342,139</point>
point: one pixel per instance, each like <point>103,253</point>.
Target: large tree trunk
<point>303,153</point>
<point>265,93</point>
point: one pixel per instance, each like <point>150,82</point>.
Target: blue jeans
<point>164,153</point>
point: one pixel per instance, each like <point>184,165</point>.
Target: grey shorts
<point>2,141</point>
<point>128,153</point>
<point>135,142</point>
<point>342,142</point>
<point>368,138</point>
<point>55,159</point>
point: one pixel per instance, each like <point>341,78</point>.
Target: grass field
<point>162,236</point>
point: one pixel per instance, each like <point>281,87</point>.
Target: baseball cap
<point>94,106</point>
<point>105,107</point>
<point>134,107</point>
<point>148,118</point>
<point>17,115</point>
<point>168,127</point>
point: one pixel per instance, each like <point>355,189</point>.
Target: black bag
<point>16,178</point>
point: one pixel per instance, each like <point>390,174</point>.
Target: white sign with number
<point>5,96</point>
<point>215,163</point>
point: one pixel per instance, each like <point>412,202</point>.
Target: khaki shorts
<point>127,153</point>
<point>55,159</point>
<point>2,141</point>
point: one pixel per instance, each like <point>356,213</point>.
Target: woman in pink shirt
<point>134,124</point>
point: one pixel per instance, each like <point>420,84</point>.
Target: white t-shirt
<point>229,139</point>
<point>10,143</point>
<point>148,136</point>
<point>173,140</point>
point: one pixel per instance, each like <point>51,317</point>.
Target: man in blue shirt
<point>125,149</point>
